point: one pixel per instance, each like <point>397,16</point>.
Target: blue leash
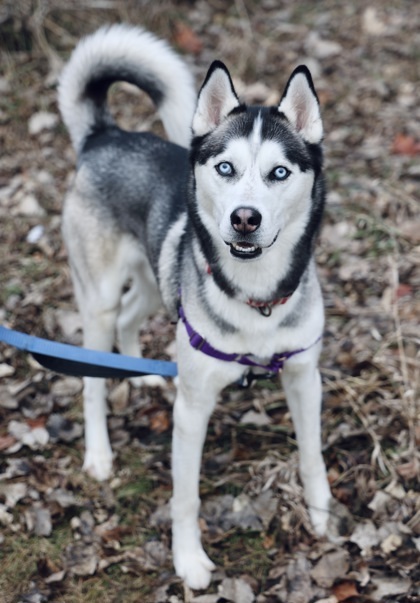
<point>72,360</point>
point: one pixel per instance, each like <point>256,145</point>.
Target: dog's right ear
<point>300,105</point>
<point>216,99</point>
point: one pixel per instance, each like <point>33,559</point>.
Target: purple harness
<point>199,343</point>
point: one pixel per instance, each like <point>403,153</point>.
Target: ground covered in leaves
<point>65,538</point>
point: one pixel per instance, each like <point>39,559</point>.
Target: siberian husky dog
<point>219,224</point>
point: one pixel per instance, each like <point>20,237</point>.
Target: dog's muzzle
<point>245,221</point>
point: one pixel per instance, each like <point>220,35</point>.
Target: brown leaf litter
<point>65,538</point>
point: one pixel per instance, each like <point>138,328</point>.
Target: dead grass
<point>369,263</point>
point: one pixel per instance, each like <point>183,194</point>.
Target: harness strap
<point>199,343</point>
<point>81,362</point>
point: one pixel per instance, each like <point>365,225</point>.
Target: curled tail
<point>131,54</point>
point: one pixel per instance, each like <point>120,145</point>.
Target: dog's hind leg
<point>99,322</point>
<point>302,386</point>
<point>97,283</point>
<point>140,300</point>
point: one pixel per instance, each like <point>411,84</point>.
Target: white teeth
<point>247,249</point>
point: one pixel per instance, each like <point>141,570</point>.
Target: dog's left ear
<point>217,98</point>
<point>300,105</point>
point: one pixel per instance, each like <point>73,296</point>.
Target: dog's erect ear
<point>301,106</point>
<point>217,98</point>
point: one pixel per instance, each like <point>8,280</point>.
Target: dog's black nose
<point>245,220</point>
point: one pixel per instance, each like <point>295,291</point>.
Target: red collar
<point>265,308</point>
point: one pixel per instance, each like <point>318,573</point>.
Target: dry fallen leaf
<point>344,590</point>
<point>6,442</point>
<point>38,520</point>
<point>403,289</point>
<point>160,421</point>
<point>389,585</point>
<point>365,536</point>
<point>46,566</point>
<point>185,38</point>
<point>391,543</point>
<point>409,470</point>
<point>330,567</point>
<point>81,559</point>
<point>13,493</point>
<point>405,145</point>
<point>299,586</point>
<point>236,590</point>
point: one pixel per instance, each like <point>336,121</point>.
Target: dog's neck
<point>265,307</point>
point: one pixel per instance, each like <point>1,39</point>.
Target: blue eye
<point>280,173</point>
<point>225,168</point>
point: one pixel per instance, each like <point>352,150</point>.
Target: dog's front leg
<point>201,378</point>
<point>190,426</point>
<point>302,386</point>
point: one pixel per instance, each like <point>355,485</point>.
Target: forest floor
<point>65,538</point>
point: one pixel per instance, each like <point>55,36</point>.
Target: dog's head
<point>255,168</point>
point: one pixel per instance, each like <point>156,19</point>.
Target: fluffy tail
<point>131,54</point>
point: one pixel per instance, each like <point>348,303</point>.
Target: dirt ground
<point>66,539</point>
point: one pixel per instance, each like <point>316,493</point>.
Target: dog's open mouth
<point>244,250</point>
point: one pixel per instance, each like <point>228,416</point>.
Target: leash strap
<point>199,343</point>
<point>81,362</point>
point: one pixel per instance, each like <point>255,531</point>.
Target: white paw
<point>194,567</point>
<point>149,381</point>
<point>98,465</point>
<point>318,498</point>
<point>319,519</point>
